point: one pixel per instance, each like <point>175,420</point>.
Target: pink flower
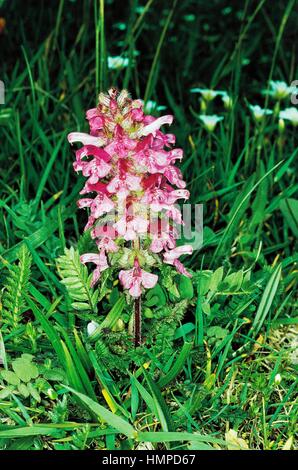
<point>136,277</point>
<point>103,231</point>
<point>96,168</point>
<point>100,205</point>
<point>108,245</point>
<point>171,257</point>
<point>96,187</point>
<point>85,139</point>
<point>162,242</point>
<point>130,229</point>
<point>159,199</point>
<point>174,176</point>
<point>123,185</point>
<point>154,126</point>
<point>100,260</point>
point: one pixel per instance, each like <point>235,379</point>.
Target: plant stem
<point>137,308</point>
<point>138,322</point>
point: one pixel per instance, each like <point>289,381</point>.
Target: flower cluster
<point>210,121</point>
<point>129,166</point>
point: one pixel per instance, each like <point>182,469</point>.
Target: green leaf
<point>267,299</point>
<point>10,377</point>
<point>216,278</point>
<point>177,436</point>
<point>25,370</point>
<point>122,426</point>
<point>162,411</point>
<point>48,329</point>
<point>77,281</point>
<point>13,431</point>
<point>5,392</point>
<point>22,388</point>
<point>54,374</point>
<point>185,287</point>
<point>177,367</point>
<point>289,209</point>
<point>155,296</point>
<point>33,392</point>
<point>111,318</point>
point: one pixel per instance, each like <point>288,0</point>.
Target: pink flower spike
<point>128,162</point>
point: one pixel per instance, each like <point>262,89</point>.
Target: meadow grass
<point>227,377</point>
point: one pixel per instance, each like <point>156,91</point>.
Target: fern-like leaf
<point>77,281</point>
<point>15,286</point>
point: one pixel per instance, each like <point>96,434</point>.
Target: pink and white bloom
<point>100,205</point>
<point>107,244</point>
<point>130,229</point>
<point>133,280</point>
<point>164,241</point>
<point>129,163</point>
<point>171,257</point>
<point>101,262</point>
<point>122,186</point>
<point>85,139</point>
<point>154,126</point>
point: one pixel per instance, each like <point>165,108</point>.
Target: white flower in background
<point>258,112</point>
<point>290,114</point>
<point>117,62</point>
<point>227,101</point>
<point>91,327</point>
<point>210,122</point>
<point>152,106</point>
<point>207,95</point>
<point>277,379</point>
<point>279,90</point>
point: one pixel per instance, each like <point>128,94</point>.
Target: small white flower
<point>207,95</point>
<point>277,379</point>
<point>210,122</point>
<point>227,101</point>
<point>291,114</point>
<point>258,112</point>
<point>117,62</point>
<point>279,90</point>
<point>91,327</point>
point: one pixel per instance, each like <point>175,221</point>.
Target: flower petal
<point>155,125</point>
<point>85,139</point>
<point>149,280</point>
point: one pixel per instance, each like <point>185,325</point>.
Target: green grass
<point>227,356</point>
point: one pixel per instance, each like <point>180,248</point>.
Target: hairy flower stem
<point>137,322</point>
<point>137,308</point>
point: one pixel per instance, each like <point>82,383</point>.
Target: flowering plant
<point>129,165</point>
